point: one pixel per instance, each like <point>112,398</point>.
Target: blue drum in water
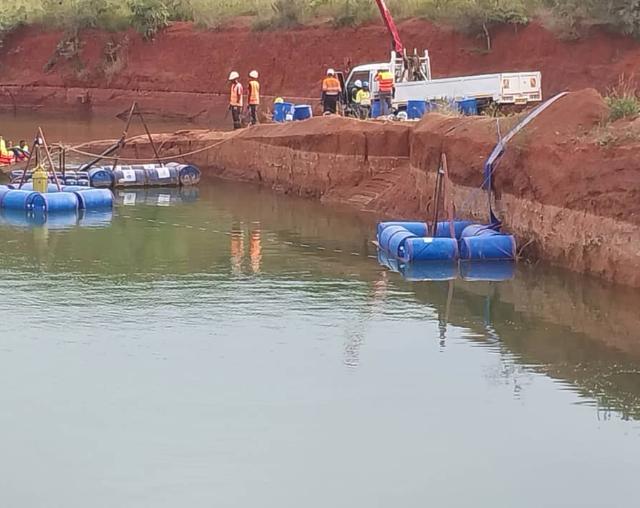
<point>101,177</point>
<point>130,176</point>
<point>302,112</point>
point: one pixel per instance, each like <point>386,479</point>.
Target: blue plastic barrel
<point>488,247</point>
<point>394,247</point>
<point>281,110</point>
<point>494,271</point>
<point>467,106</point>
<point>302,112</point>
<point>188,174</point>
<point>429,270</point>
<point>18,199</point>
<point>52,187</point>
<point>101,177</point>
<point>94,199</point>
<point>431,249</point>
<point>417,228</point>
<point>416,109</point>
<point>158,175</point>
<point>54,202</point>
<point>3,190</point>
<point>129,176</point>
<point>422,229</point>
<point>375,108</point>
<point>82,182</point>
<point>459,226</point>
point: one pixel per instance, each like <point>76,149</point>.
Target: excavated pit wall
<point>389,169</point>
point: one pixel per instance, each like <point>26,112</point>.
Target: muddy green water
<point>231,347</point>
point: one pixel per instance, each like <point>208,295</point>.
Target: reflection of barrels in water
<point>95,218</point>
<point>22,219</point>
<point>156,196</point>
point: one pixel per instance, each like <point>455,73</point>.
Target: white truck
<point>519,88</point>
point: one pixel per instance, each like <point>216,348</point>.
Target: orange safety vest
<point>236,95</point>
<point>331,86</point>
<point>385,82</point>
<point>254,92</point>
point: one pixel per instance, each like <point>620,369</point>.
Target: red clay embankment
<point>180,71</point>
<point>567,187</point>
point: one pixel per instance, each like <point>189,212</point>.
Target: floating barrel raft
<point>68,199</point>
<point>411,242</point>
<point>171,174</point>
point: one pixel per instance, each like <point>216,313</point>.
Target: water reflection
<point>156,196</point>
<point>239,254</point>
<point>56,221</point>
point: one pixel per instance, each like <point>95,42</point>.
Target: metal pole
<point>26,167</point>
<point>153,145</point>
<point>48,154</point>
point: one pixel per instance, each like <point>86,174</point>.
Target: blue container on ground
<point>101,177</point>
<point>493,271</point>
<point>416,109</point>
<point>281,110</point>
<point>302,112</point>
<point>431,249</point>
<point>429,270</point>
<point>375,108</point>
<point>467,107</point>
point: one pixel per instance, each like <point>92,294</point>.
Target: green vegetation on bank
<point>474,16</point>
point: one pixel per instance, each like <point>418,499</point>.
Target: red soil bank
<point>185,59</point>
<point>571,198</point>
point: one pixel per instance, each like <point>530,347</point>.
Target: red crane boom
<point>398,47</point>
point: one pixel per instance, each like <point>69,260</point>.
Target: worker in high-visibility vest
<point>363,101</point>
<point>384,79</point>
<point>253,96</point>
<point>331,90</point>
<point>6,156</point>
<point>235,99</point>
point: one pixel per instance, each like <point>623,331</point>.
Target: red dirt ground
<point>186,59</point>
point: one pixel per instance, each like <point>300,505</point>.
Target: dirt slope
<point>185,59</point>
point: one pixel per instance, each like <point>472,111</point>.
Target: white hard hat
<point>233,75</point>
<point>330,72</point>
<point>253,74</point>
<point>358,83</point>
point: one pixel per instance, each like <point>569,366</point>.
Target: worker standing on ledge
<point>385,91</point>
<point>235,100</point>
<point>331,89</point>
<point>253,96</point>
